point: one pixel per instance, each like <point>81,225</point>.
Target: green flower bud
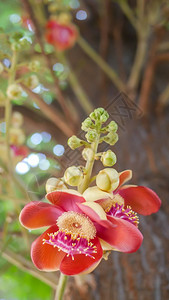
<point>104,117</point>
<point>86,153</point>
<point>17,136</point>
<point>107,179</point>
<point>99,114</point>
<point>91,136</point>
<point>73,176</point>
<point>32,81</point>
<point>17,119</point>
<point>87,124</point>
<point>54,184</point>
<point>34,66</point>
<point>74,142</point>
<point>53,7</point>
<point>112,126</point>
<point>111,138</point>
<point>15,46</point>
<point>64,18</point>
<point>108,158</point>
<point>14,91</point>
<point>1,68</point>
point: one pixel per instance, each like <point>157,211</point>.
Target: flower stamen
<point>119,211</point>
<point>74,235</point>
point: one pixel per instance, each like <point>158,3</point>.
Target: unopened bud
<point>86,153</point>
<point>99,114</point>
<point>112,126</point>
<point>111,138</point>
<point>74,142</point>
<point>1,68</point>
<point>64,18</point>
<point>32,81</point>
<point>107,179</point>
<point>54,184</point>
<point>91,136</point>
<point>17,136</point>
<point>87,124</point>
<point>34,66</point>
<point>53,7</point>
<point>17,119</point>
<point>14,91</point>
<point>73,176</point>
<point>108,158</point>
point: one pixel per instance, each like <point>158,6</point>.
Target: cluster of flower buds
<point>99,114</point>
<point>19,41</point>
<point>17,137</point>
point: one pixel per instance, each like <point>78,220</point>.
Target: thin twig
<point>111,73</point>
<point>27,266</point>
<point>128,12</point>
<point>76,86</point>
<point>50,113</point>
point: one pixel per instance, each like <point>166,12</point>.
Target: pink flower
<point>125,202</point>
<point>61,36</point>
<point>140,198</point>
<point>77,230</point>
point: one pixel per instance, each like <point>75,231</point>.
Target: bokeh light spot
<point>81,15</point>
<point>58,150</point>
<point>36,138</point>
<point>33,160</point>
<point>44,164</point>
<point>14,18</point>
<point>46,137</point>
<point>22,168</point>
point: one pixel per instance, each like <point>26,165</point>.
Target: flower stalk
<point>61,286</point>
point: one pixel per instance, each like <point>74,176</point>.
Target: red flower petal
<point>120,234</point>
<point>37,214</point>
<point>81,262</point>
<point>124,176</point>
<point>45,257</point>
<point>65,199</point>
<point>141,199</point>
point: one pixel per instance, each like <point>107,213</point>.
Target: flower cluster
<point>85,224</point>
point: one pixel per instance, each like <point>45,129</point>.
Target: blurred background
<point>59,59</point>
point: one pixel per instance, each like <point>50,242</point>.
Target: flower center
<point>127,214</point>
<point>74,235</point>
